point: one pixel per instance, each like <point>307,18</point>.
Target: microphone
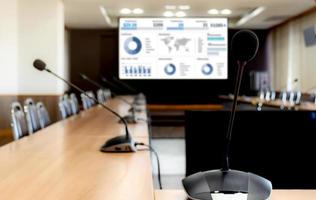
<point>131,119</point>
<point>201,185</point>
<point>140,98</point>
<point>124,143</point>
<point>131,89</point>
<point>135,102</point>
<point>110,84</point>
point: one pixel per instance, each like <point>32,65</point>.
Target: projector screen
<point>173,48</point>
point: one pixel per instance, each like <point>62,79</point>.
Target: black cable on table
<point>158,161</point>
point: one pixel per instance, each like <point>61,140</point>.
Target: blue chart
<point>170,69</point>
<point>132,45</point>
<point>137,71</point>
<point>207,69</point>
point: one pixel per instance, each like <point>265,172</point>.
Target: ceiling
<point>86,14</point>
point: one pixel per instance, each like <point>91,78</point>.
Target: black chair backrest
<point>278,145</point>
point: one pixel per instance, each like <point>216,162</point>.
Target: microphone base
<point>130,119</point>
<point>202,185</point>
<point>135,109</point>
<point>119,144</point>
<point>140,99</point>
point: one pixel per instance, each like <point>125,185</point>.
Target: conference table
<point>255,101</point>
<point>276,195</point>
<point>64,162</point>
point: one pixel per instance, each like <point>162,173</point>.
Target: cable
<point>158,161</point>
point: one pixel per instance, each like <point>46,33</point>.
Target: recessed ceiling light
<point>213,12</point>
<point>168,14</point>
<point>105,15</point>
<point>184,7</point>
<point>125,11</point>
<point>138,11</point>
<point>180,14</point>
<point>250,16</point>
<point>170,7</point>
<point>226,12</point>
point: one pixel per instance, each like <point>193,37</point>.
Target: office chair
<point>32,118</point>
<point>86,102</point>
<point>91,94</point>
<point>74,104</point>
<point>18,121</point>
<point>64,107</point>
<point>107,93</point>
<point>62,110</point>
<point>43,115</point>
<point>283,96</point>
<point>67,104</point>
<point>101,96</point>
<point>273,95</point>
<point>298,97</point>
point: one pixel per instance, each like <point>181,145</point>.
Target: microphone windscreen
<point>39,64</point>
<point>245,44</point>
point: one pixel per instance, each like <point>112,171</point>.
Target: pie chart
<point>132,45</point>
<point>170,69</point>
<point>207,69</point>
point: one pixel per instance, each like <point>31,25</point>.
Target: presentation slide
<point>173,48</point>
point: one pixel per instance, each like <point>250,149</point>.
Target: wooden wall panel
<point>50,101</point>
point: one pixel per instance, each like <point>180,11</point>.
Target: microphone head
<point>39,64</point>
<point>245,44</point>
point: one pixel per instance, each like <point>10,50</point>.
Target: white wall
<point>8,46</point>
<point>31,29</point>
<point>41,35</point>
<point>292,59</point>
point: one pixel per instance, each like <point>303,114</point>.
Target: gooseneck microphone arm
<point>82,91</point>
<point>202,185</point>
<point>84,77</point>
<point>240,70</point>
<point>105,80</point>
<point>125,85</point>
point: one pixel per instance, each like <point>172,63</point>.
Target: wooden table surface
<point>276,195</point>
<point>167,107</point>
<point>276,103</point>
<point>63,161</point>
